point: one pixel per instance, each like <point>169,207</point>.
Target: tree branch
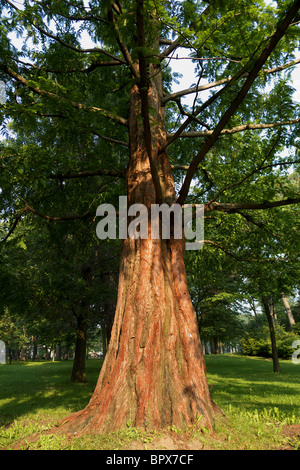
<point>122,45</point>
<point>74,48</point>
<point>234,207</point>
<point>233,130</point>
<point>58,219</point>
<point>94,65</point>
<point>192,117</point>
<point>207,86</point>
<point>172,45</point>
<point>47,217</point>
<point>258,64</point>
<point>13,227</point>
<point>84,174</point>
<point>48,94</point>
<point>260,225</point>
<point>260,168</point>
<point>110,139</point>
<point>61,41</point>
<point>238,258</point>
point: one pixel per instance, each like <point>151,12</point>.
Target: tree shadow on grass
<point>250,384</point>
<point>43,389</point>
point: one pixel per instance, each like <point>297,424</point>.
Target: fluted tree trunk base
<point>154,373</point>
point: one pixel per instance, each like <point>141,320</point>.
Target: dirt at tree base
<point>168,442</point>
<point>292,432</point>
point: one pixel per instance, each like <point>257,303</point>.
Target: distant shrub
<point>258,343</point>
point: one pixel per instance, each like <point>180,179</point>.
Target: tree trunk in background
<point>48,353</point>
<point>217,345</point>
<point>252,303</point>
<point>58,352</point>
<point>288,311</point>
<point>154,373</point>
<point>104,338</point>
<point>78,370</point>
<point>66,353</point>
<point>106,325</point>
<point>9,353</point>
<point>266,304</point>
<point>23,354</point>
<point>34,348</point>
<point>273,309</point>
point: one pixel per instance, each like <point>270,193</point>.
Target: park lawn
<point>261,408</point>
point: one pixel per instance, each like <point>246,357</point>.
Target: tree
<point>120,92</point>
<point>215,288</point>
<point>288,311</point>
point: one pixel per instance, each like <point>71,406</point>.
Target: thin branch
<point>172,46</point>
<point>61,41</point>
<point>260,168</point>
<point>63,116</point>
<point>179,41</point>
<point>180,167</point>
<point>110,139</point>
<point>191,115</point>
<point>85,17</point>
<point>48,94</point>
<point>201,108</point>
<point>234,207</point>
<point>17,220</point>
<point>238,183</point>
<point>260,225</point>
<point>233,130</point>
<point>194,89</point>
<point>74,48</point>
<point>28,208</point>
<point>58,219</point>
<point>258,64</point>
<point>122,45</point>
<point>207,103</point>
<point>84,174</point>
<point>94,65</point>
<point>202,59</point>
<point>217,83</point>
<point>239,258</point>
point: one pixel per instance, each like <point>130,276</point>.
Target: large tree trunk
<point>154,373</point>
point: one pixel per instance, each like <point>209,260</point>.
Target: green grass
<point>258,406</point>
<point>249,383</point>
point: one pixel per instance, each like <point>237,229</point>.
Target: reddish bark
<point>154,371</point>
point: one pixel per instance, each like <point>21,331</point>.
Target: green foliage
<point>257,343</point>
